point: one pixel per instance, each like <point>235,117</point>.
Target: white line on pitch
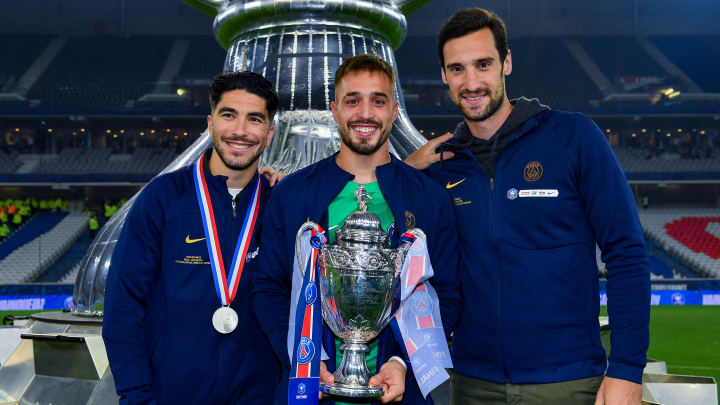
<point>695,367</point>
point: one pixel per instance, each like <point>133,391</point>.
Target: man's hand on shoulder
<point>614,391</point>
<point>271,175</point>
<point>392,379</point>
<point>424,157</point>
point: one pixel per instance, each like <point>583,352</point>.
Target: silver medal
<point>225,320</point>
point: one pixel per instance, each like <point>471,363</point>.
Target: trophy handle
<point>298,238</point>
<point>416,232</point>
<point>403,251</point>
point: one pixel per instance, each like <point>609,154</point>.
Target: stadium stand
<point>543,67</point>
<point>620,56</point>
<point>28,260</point>
<point>680,269</point>
<point>101,74</point>
<point>32,229</point>
<point>9,162</point>
<point>658,269</point>
<point>110,75</point>
<point>71,275</point>
<point>62,269</point>
<point>638,160</point>
<point>205,58</point>
<point>697,56</point>
<point>101,161</point>
<point>425,70</point>
<point>690,234</point>
<point>19,51</point>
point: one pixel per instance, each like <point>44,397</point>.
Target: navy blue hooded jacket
<point>160,298</point>
<point>529,274</point>
<point>414,200</point>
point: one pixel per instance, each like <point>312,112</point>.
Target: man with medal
<point>178,326</point>
<point>325,193</point>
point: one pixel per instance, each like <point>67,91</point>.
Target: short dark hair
<point>366,63</point>
<point>471,20</point>
<point>251,82</point>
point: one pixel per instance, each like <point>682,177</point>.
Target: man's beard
<point>232,165</point>
<point>496,100</point>
<point>364,148</point>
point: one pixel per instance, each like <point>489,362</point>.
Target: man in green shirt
<point>364,109</point>
<point>17,220</point>
<point>4,231</point>
<point>93,225</point>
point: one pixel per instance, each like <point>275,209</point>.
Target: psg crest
<point>306,351</point>
<point>310,294</point>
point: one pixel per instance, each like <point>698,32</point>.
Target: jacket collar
<point>332,179</point>
<point>217,184</point>
<point>458,146</point>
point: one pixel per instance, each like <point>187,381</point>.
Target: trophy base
<point>342,390</point>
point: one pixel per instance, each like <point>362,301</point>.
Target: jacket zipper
<point>497,255</point>
<point>499,267</point>
<point>220,362</point>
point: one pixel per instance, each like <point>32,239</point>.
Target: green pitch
<point>15,313</point>
<point>687,338</point>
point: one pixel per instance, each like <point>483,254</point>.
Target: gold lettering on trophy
<point>192,260</point>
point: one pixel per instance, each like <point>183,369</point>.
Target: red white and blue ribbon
<point>418,319</point>
<point>226,284</point>
<point>304,381</point>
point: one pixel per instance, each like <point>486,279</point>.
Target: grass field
<point>16,313</point>
<point>687,338</point>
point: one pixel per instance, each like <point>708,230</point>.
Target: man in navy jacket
<point>534,191</point>
<point>161,292</point>
<point>364,109</point>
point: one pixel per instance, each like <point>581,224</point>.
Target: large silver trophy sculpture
<point>297,45</point>
<point>358,286</point>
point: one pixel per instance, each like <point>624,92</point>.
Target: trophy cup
<point>359,277</point>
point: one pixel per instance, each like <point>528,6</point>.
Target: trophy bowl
<point>359,279</point>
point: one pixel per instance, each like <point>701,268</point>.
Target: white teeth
<point>365,130</point>
<point>238,146</point>
<point>474,98</point>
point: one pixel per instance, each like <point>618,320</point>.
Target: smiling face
<point>364,109</point>
<point>475,74</point>
<point>240,129</point>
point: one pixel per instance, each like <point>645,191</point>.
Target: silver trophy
<point>358,282</point>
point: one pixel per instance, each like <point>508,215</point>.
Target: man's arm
<point>272,279</point>
<point>271,175</point>
<point>133,269</point>
<point>611,211</point>
<point>426,156</point>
